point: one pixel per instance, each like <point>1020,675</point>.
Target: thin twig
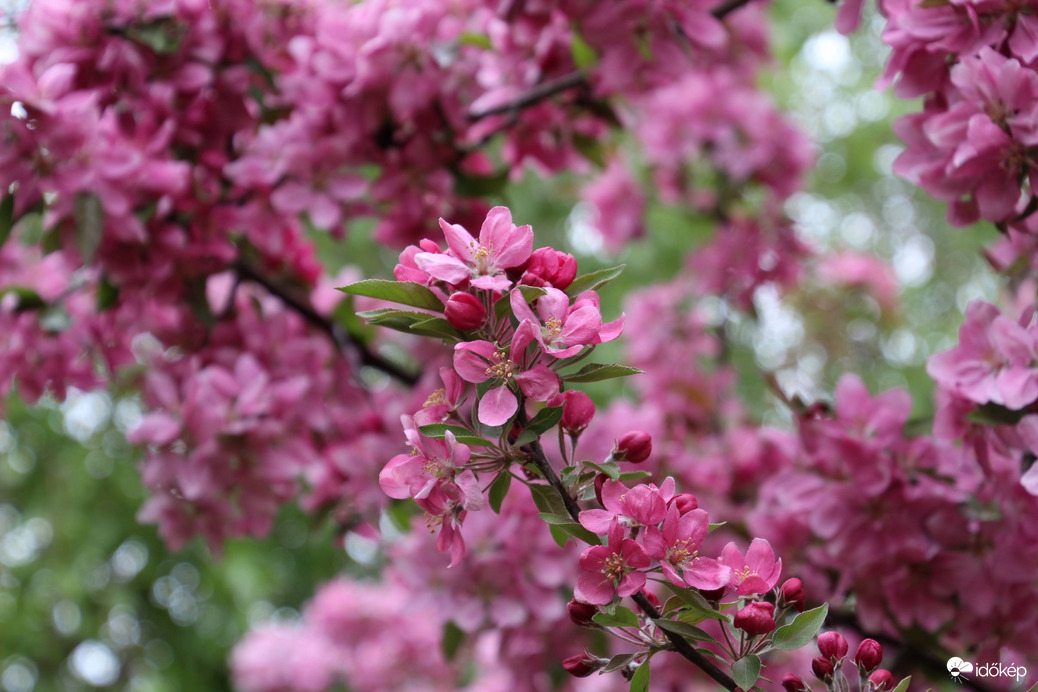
<point>337,334</point>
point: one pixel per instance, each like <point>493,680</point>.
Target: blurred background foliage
<point>89,598</point>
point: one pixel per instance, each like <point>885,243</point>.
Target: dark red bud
<point>793,683</point>
<point>881,680</point>
<point>868,656</point>
<point>464,311</point>
<point>685,502</point>
<point>822,669</point>
<point>581,666</point>
<point>756,618</point>
<point>577,411</point>
<point>567,271</point>
<point>581,613</point>
<point>549,266</point>
<point>792,594</point>
<point>832,645</point>
<point>713,595</point>
<point>634,447</point>
<point>600,480</point>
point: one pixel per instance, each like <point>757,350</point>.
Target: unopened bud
<point>832,645</point>
<point>464,311</point>
<point>549,266</point>
<point>822,669</point>
<point>868,656</point>
<point>581,613</point>
<point>634,447</point>
<point>685,502</point>
<point>600,480</point>
<point>713,595</point>
<point>793,683</point>
<point>881,680</point>
<point>756,618</point>
<point>582,666</point>
<point>577,410</point>
<point>792,594</point>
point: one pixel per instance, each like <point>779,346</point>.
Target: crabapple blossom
<point>611,570</point>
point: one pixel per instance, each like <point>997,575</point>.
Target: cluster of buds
<point>828,667</point>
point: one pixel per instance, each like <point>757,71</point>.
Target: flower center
<point>502,367</point>
<point>681,552</point>
<point>614,566</point>
<point>553,326</point>
<point>437,398</point>
<point>438,468</point>
<point>482,258</point>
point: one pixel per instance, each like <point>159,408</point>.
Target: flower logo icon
<point>957,667</point>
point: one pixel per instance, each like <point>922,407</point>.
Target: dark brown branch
<point>726,8</point>
<point>681,646</point>
<point>337,334</point>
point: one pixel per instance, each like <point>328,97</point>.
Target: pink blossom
<point>642,505</point>
<point>565,330</point>
<point>756,573</point>
<point>677,544</point>
<point>611,570</point>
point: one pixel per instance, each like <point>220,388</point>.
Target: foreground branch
<point>681,646</point>
<point>336,333</point>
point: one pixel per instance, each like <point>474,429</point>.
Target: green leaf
<point>480,185</point>
<point>697,607</point>
<point>684,629</point>
<point>453,636</point>
<point>746,670</point>
<point>712,527</point>
<point>903,685</point>
<point>624,617</point>
<point>499,489</point>
<point>994,414</point>
<point>799,632</point>
<point>107,294</point>
<point>560,537</point>
<point>640,680</point>
<point>404,292</point>
<point>584,56</point>
<point>571,528</point>
<point>345,315</point>
<point>619,661</point>
<point>591,148</point>
<point>471,38</point>
<point>547,500</point>
<point>463,435</point>
<point>596,372</point>
<point>163,36</point>
<point>90,222</point>
<point>436,327</point>
<point>594,280</point>
<point>545,420</point>
<point>610,468</point>
<point>634,475</point>
<point>6,218</point>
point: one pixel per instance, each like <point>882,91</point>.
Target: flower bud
<point>756,618</point>
<point>868,656</point>
<point>822,669</point>
<point>832,646</point>
<point>685,502</point>
<point>549,266</point>
<point>881,680</point>
<point>464,311</point>
<point>582,666</point>
<point>600,480</point>
<point>581,613</point>
<point>793,683</point>
<point>713,595</point>
<point>577,410</point>
<point>634,447</point>
<point>792,594</point>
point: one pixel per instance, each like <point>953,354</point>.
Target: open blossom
<point>642,505</point>
<point>610,570</point>
<point>501,245</point>
<point>430,463</point>
<point>676,545</point>
<point>994,361</point>
<point>758,572</point>
<point>565,329</point>
<point>442,401</point>
<point>480,361</point>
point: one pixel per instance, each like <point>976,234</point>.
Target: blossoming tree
<point>169,170</point>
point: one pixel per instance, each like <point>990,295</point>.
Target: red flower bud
<point>634,447</point>
<point>549,266</point>
<point>464,311</point>
<point>582,666</point>
<point>822,669</point>
<point>581,613</point>
<point>713,595</point>
<point>756,618</point>
<point>685,502</point>
<point>793,683</point>
<point>577,410</point>
<point>881,680</point>
<point>600,480</point>
<point>868,656</point>
<point>792,594</point>
<point>832,645</point>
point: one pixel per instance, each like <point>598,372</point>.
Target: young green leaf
<point>404,292</point>
<point>6,218</point>
<point>640,680</point>
<point>596,372</point>
<point>799,632</point>
<point>619,661</point>
<point>746,670</point>
<point>463,435</point>
<point>499,489</point>
<point>594,280</point>
<point>903,685</point>
<point>624,617</point>
<point>684,629</point>
<point>453,636</point>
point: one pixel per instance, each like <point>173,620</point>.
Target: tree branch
<point>337,334</point>
<point>681,646</point>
